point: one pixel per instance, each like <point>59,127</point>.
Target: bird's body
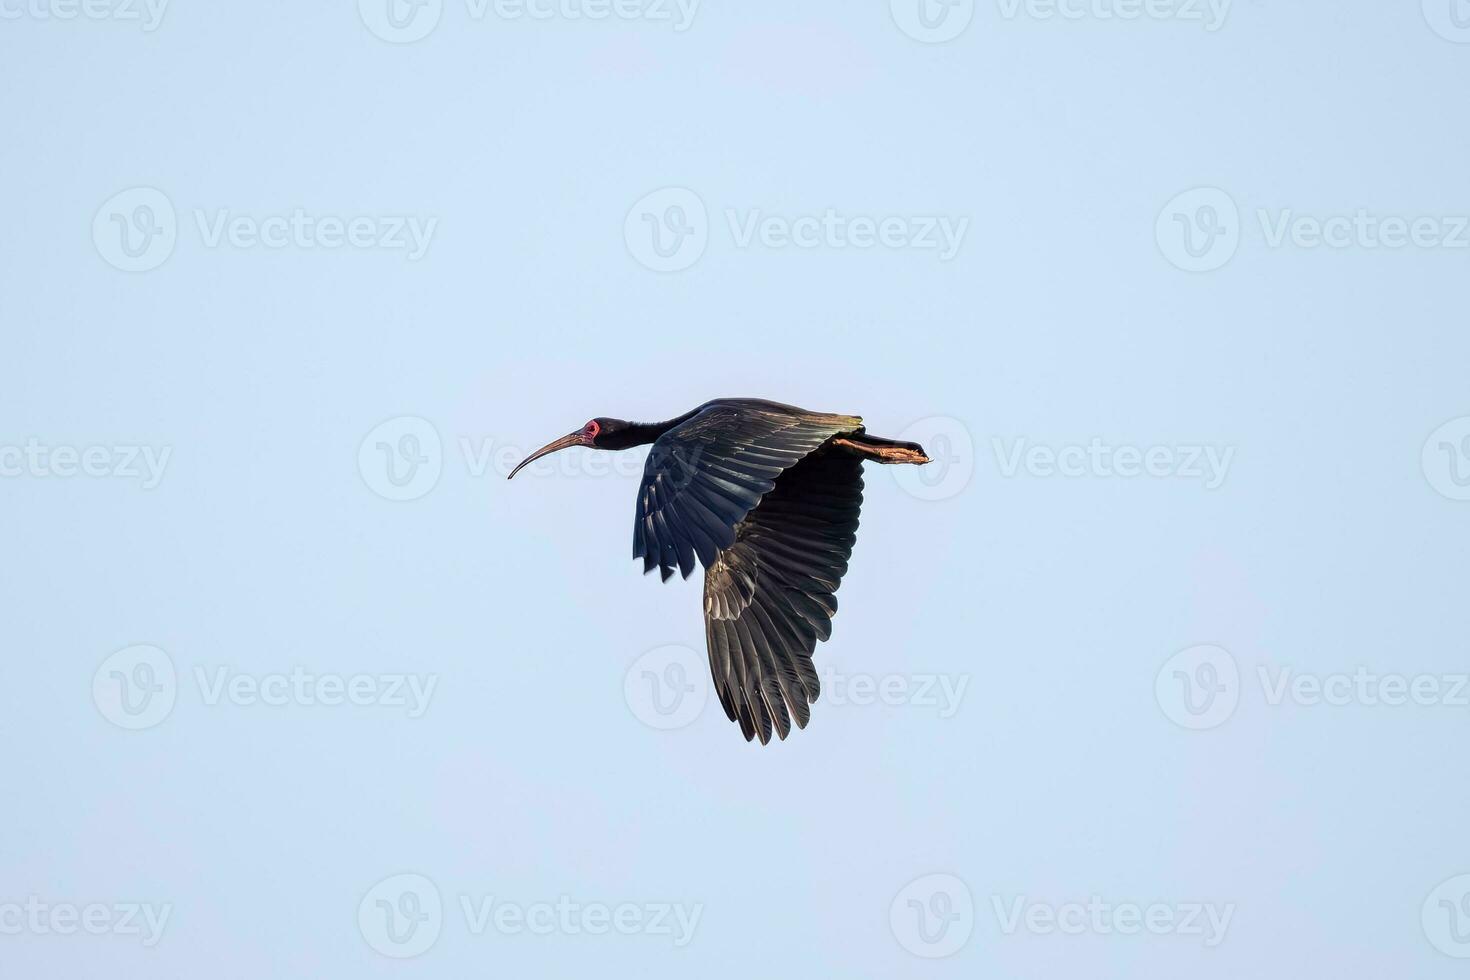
<point>766,497</point>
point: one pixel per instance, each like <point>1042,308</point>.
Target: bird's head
<point>598,433</point>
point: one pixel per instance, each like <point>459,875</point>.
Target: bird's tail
<point>881,450</point>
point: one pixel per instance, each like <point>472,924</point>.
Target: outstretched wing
<point>704,476</point>
<point>770,597</point>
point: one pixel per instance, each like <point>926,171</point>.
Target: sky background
<point>606,210</point>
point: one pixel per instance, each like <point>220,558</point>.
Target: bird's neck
<point>643,433</point>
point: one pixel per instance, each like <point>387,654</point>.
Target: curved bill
<point>571,439</point>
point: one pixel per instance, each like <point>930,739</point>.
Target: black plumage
<point>766,497</point>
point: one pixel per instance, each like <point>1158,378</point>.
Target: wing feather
<point>769,598</point>
<point>704,476</point>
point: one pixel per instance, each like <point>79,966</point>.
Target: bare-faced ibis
<point>767,496</point>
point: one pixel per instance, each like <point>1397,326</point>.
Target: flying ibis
<point>766,496</point>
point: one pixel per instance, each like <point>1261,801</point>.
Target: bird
<point>766,497</point>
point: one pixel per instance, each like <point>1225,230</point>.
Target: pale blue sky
<point>346,249</point>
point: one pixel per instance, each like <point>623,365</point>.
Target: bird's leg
<point>881,450</point>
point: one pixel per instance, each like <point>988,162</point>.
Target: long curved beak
<point>571,439</point>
